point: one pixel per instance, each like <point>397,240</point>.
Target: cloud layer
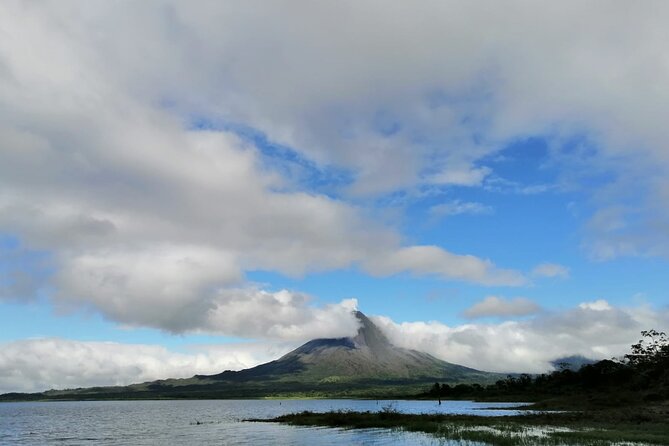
<point>494,306</point>
<point>457,207</point>
<point>138,207</point>
<point>595,330</point>
<point>35,365</point>
<point>125,156</point>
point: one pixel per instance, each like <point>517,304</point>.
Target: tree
<point>651,351</point>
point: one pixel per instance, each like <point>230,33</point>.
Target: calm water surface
<point>176,422</point>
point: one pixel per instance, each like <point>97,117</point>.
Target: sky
<point>190,187</point>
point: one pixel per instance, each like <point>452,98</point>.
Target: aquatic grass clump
<point>514,435</point>
<point>550,429</point>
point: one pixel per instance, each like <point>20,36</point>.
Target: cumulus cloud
<point>494,306</point>
<point>595,330</point>
<point>457,207</point>
<point>431,260</point>
<point>281,315</point>
<point>102,167</point>
<point>597,305</point>
<point>461,177</point>
<point>245,311</point>
<point>35,365</point>
<point>551,270</point>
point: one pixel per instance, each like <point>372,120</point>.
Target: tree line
<point>642,374</point>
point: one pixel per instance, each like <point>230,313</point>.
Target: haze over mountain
<point>364,364</point>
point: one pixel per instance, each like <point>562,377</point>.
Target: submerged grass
<point>597,428</point>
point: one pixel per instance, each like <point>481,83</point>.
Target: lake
<point>209,422</point>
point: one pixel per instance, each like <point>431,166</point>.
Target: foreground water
<point>211,422</point>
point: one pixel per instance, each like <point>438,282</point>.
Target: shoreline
<point>593,427</point>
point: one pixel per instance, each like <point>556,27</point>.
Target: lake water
<point>210,422</point>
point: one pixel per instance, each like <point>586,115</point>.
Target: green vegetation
<point>609,402</point>
<point>584,428</point>
<point>224,389</point>
<point>642,377</point>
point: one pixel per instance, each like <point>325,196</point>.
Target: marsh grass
<point>591,429</point>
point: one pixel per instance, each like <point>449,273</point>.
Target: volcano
<point>364,365</point>
<point>367,356</point>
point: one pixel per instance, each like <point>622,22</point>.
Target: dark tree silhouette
<point>652,350</point>
<point>640,376</point>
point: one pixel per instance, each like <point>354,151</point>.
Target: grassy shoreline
<point>594,427</point>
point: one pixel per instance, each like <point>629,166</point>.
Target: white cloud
<point>597,331</point>
<point>597,305</point>
<point>501,185</point>
<point>135,208</point>
<point>551,270</point>
<point>462,177</point>
<point>99,167</point>
<point>593,329</point>
<point>282,315</point>
<point>192,304</point>
<point>494,306</point>
<point>457,207</point>
<point>128,286</point>
<point>35,365</point>
<point>637,229</point>
<point>432,260</point>
<point>408,89</point>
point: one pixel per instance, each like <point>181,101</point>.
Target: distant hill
<point>364,365</point>
<point>572,363</point>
